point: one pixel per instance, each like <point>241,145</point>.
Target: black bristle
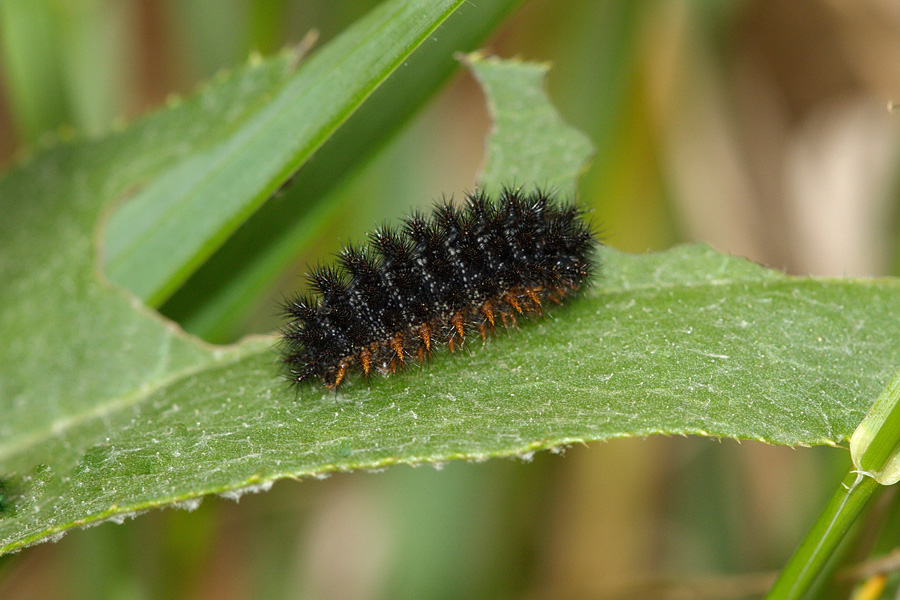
<point>436,280</point>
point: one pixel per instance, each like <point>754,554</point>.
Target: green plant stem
<point>853,495</point>
<point>874,451</point>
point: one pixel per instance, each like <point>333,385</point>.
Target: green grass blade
<point>234,279</point>
<point>848,502</point>
<point>175,223</point>
<point>28,32</point>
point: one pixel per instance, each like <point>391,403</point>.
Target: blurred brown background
<point>759,127</point>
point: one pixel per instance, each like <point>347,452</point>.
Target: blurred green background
<point>759,127</point>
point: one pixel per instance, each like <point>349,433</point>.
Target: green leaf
<point>108,410</point>
<point>522,113</point>
<point>683,342</point>
<point>170,227</point>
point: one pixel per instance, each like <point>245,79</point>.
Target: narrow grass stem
<point>875,450</point>
<point>845,506</point>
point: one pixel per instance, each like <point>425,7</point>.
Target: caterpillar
<point>438,279</point>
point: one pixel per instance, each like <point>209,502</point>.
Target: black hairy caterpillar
<point>439,277</point>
